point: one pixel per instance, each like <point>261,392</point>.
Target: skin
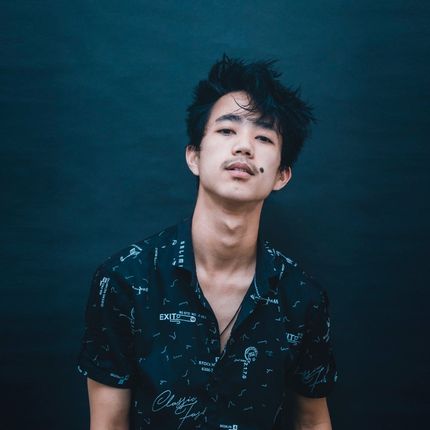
<point>227,212</point>
<point>225,226</point>
<point>312,414</point>
<point>109,406</point>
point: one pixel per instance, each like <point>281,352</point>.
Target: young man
<point>205,325</point>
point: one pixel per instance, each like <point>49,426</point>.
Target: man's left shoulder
<point>293,278</point>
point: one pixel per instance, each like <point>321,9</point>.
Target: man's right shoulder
<point>140,252</point>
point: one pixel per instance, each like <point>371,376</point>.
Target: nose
<point>243,146</point>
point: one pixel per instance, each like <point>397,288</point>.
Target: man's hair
<point>269,98</point>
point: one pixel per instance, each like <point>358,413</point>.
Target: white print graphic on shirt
<point>250,355</point>
<point>267,300</point>
<point>121,379</point>
<point>131,318</point>
<point>134,252</point>
<point>257,297</point>
<point>178,317</point>
<point>276,252</point>
<point>294,338</point>
<point>229,426</point>
<point>103,288</point>
<point>207,366</point>
<point>182,406</point>
<point>326,337</point>
<point>315,376</point>
<point>181,253</point>
<point>139,289</point>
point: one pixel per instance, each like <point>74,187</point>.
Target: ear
<point>193,157</point>
<point>282,178</point>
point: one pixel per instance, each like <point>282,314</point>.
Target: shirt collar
<point>183,257</point>
<point>268,267</point>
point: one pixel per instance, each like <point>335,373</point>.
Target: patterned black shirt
<point>150,328</point>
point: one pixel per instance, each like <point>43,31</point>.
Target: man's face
<point>234,135</point>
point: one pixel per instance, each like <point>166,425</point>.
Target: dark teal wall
<point>93,98</point>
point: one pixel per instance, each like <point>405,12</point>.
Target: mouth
<point>241,168</point>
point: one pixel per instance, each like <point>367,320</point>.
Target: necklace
<point>234,317</point>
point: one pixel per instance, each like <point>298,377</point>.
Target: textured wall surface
<point>93,98</point>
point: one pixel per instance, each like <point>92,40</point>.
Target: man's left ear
<point>284,175</point>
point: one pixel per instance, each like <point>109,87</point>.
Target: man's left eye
<point>264,139</point>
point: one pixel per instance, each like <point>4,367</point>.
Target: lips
<point>240,167</point>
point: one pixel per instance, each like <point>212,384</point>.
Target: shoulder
<point>140,254</point>
<point>294,281</point>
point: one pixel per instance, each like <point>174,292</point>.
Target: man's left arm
<point>311,414</point>
<point>315,374</point>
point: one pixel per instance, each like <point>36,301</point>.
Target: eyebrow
<point>268,125</point>
<point>229,117</point>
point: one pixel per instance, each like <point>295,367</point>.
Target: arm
<point>109,406</point>
<point>312,414</point>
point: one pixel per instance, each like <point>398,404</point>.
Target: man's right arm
<point>109,406</point>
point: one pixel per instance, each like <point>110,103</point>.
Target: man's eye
<point>225,131</point>
<point>264,139</point>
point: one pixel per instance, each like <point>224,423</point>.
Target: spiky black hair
<point>272,100</point>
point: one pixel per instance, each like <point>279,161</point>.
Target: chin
<point>233,192</point>
<point>238,196</point>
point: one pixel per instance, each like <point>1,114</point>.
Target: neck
<point>225,236</point>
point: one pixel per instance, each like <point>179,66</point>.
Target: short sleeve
<point>316,374</point>
<point>106,353</point>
